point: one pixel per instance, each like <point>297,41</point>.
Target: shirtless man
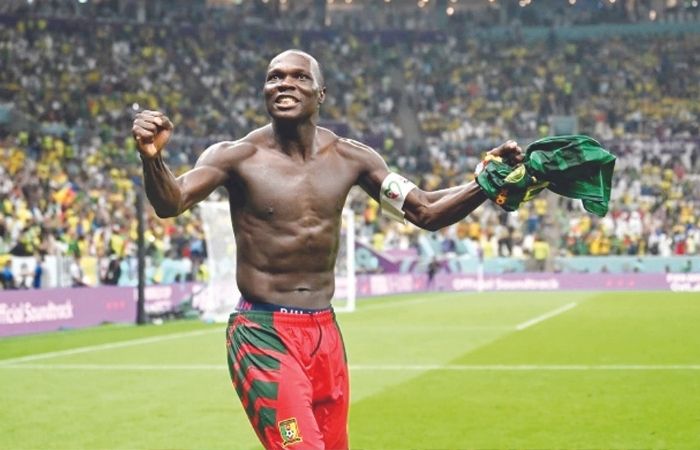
<point>287,185</point>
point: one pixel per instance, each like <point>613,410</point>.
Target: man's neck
<point>295,138</point>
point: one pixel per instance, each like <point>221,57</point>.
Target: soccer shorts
<point>290,372</point>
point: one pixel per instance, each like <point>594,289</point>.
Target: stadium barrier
<point>677,282</point>
<point>24,311</point>
<point>367,260</point>
<point>36,311</point>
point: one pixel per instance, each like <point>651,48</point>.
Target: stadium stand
<point>430,102</point>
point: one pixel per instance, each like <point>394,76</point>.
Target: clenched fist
<point>510,152</point>
<point>151,130</point>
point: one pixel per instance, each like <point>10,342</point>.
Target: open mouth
<point>285,100</point>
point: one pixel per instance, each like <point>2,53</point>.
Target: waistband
<point>247,305</point>
<point>283,314</point>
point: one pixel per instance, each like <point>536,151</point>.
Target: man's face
<point>292,87</point>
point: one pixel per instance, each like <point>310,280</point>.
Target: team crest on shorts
<point>289,430</point>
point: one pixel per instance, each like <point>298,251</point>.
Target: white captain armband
<point>392,195</point>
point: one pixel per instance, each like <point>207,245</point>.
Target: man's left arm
<point>430,210</point>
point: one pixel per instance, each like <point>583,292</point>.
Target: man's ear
<point>322,95</point>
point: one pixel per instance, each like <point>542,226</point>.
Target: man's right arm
<point>171,196</point>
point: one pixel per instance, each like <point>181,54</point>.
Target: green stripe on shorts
<point>265,337</point>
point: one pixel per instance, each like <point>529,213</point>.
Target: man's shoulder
<point>356,150</point>
<point>257,137</point>
<point>230,151</point>
<point>352,145</point>
<point>231,147</point>
<point>327,139</point>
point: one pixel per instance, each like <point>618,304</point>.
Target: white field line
<point>545,316</point>
<point>119,367</point>
<point>431,328</point>
<point>110,346</point>
<point>523,367</point>
<point>376,367</point>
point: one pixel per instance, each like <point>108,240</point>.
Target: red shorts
<point>290,372</point>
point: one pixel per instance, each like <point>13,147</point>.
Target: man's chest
<point>288,189</point>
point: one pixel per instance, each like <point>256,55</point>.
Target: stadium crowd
<point>69,88</point>
<point>367,15</point>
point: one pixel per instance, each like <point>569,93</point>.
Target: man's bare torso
<point>287,185</point>
<point>286,215</point>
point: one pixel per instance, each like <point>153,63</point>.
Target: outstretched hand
<point>510,152</point>
<point>151,130</point>
<point>504,178</point>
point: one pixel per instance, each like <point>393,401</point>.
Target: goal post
<point>345,297</point>
<point>221,294</point>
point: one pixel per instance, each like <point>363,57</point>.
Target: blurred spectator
<point>540,253</point>
<point>114,271</point>
<point>24,280</point>
<point>38,272</point>
<point>76,272</point>
<point>7,277</point>
<point>432,270</point>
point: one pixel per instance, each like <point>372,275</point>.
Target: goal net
<point>220,296</point>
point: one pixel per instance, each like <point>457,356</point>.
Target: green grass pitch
<point>428,371</point>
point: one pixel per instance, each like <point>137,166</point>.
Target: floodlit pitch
<point>507,370</point>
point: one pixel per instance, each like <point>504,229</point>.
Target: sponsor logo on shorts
<point>289,430</point>
<point>292,311</point>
